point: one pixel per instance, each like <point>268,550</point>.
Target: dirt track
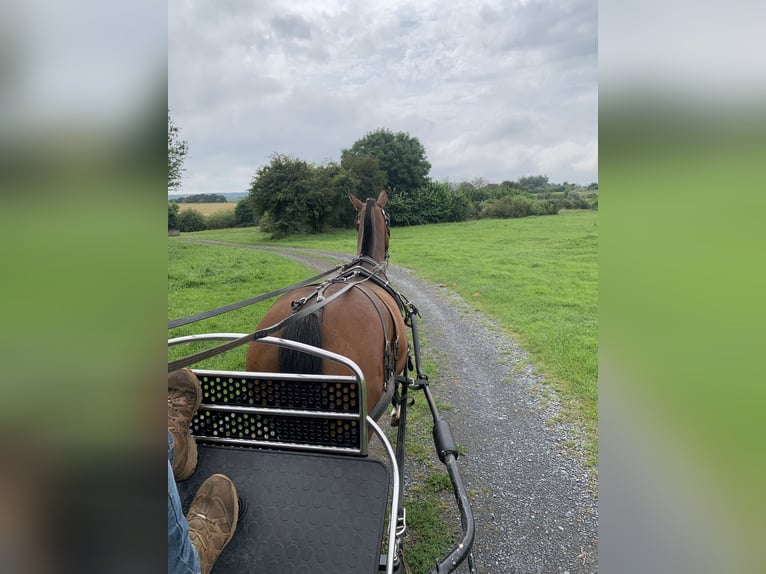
<point>536,507</point>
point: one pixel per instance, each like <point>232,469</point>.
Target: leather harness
<point>347,276</point>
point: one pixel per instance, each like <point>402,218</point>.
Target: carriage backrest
<point>316,413</point>
<point>281,410</point>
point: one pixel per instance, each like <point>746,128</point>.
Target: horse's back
<point>265,358</point>
<point>350,326</point>
<point>357,325</point>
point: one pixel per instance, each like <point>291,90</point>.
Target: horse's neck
<point>372,242</point>
<point>375,252</point>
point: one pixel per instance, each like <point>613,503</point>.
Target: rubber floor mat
<point>312,513</point>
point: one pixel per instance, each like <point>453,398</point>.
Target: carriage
<point>320,484</point>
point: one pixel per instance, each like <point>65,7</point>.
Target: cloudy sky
<point>492,89</point>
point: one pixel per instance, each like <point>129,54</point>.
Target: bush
<point>244,214</point>
<point>432,203</point>
<point>221,220</point>
<point>191,220</point>
<point>460,207</point>
<point>172,215</point>
<point>508,207</point>
<point>513,206</point>
<point>402,211</point>
<point>544,207</point>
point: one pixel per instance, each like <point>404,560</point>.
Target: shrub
<point>460,207</point>
<point>432,203</point>
<point>221,220</point>
<point>172,215</point>
<point>191,220</point>
<point>244,214</point>
<point>402,211</point>
<point>544,207</point>
<point>513,206</point>
<point>507,207</point>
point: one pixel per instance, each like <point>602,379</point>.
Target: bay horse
<point>364,323</point>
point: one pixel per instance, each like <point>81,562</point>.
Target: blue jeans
<point>182,556</point>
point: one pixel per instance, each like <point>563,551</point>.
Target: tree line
<point>202,198</point>
<point>291,196</point>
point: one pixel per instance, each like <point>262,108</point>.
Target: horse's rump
<point>357,325</point>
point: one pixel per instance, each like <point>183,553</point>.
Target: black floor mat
<point>311,513</point>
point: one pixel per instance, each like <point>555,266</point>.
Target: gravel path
<point>535,506</point>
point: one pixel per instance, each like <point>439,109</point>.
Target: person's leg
<point>184,396</point>
<point>182,556</point>
<point>196,540</point>
<point>212,517</point>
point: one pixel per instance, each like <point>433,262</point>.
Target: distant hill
<point>230,197</point>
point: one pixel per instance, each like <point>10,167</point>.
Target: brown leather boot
<point>212,517</point>
<point>184,397</point>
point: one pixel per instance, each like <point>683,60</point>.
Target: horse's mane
<point>367,238</point>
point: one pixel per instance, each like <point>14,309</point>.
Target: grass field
<point>207,208</point>
<point>202,277</point>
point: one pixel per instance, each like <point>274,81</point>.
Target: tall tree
<point>533,183</point>
<point>369,178</point>
<point>283,196</point>
<point>177,149</point>
<point>400,156</point>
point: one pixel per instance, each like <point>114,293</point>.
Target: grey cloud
<point>489,92</point>
<point>291,26</point>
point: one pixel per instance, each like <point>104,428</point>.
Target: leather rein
<point>349,272</point>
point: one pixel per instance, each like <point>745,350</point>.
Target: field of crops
<point>207,208</point>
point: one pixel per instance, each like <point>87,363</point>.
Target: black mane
<point>367,238</point>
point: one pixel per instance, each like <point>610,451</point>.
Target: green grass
<point>537,277</point>
<point>203,277</point>
<point>428,495</point>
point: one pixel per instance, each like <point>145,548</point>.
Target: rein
<point>259,334</point>
<point>351,270</point>
<point>233,306</point>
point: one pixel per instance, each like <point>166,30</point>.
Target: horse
<point>364,323</point>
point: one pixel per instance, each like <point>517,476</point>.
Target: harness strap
<point>389,356</point>
<point>401,300</point>
<point>231,307</point>
<point>259,334</point>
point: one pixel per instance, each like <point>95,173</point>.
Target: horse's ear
<point>358,205</point>
<point>382,198</point>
